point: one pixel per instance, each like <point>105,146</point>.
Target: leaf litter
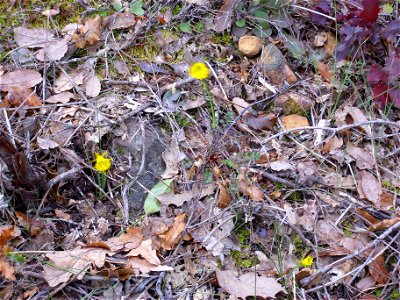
<point>251,207</point>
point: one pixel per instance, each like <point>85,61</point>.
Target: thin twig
<point>306,281</point>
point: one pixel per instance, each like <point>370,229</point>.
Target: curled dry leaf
<point>248,284</point>
<point>19,79</point>
<point>351,115</point>
<point>384,224</point>
<point>252,191</point>
<point>21,96</point>
<point>127,241</point>
<point>224,199</point>
<point>172,236</point>
<point>89,34</point>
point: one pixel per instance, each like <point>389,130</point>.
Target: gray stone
<point>152,143</point>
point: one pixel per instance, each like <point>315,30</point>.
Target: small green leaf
<point>262,17</point>
<point>240,23</point>
<point>198,26</point>
<point>387,8</point>
<point>117,6</point>
<point>137,8</point>
<point>185,27</point>
<point>262,33</point>
<point>15,257</point>
<point>151,204</point>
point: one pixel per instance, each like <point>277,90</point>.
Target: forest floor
<point>199,149</point>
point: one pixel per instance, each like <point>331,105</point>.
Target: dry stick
<point>101,190</point>
<point>306,281</point>
<point>367,262</point>
<point>8,124</point>
<point>313,11</point>
<point>66,175</point>
<point>333,130</point>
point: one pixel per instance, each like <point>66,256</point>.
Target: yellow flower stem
<point>101,181</point>
<point>206,89</point>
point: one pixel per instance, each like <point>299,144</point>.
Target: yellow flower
<point>102,163</point>
<point>199,70</point>
<point>307,261</point>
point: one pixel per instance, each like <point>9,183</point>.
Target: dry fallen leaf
<point>323,70</point>
<point>172,156</point>
<point>92,86</point>
<point>145,267</point>
<point>378,271</point>
<point>127,241</point>
<point>240,105</point>
<point>248,284</point>
<point>265,121</point>
<point>18,96</point>
<point>294,121</point>
<point>19,79</point>
<point>63,97</point>
<point>33,38</point>
<point>223,18</point>
<point>65,82</point>
<point>89,34</point>
<point>65,264</point>
<point>224,199</point>
<point>54,50</point>
<point>351,115</point>
<point>46,144</point>
<point>363,157</point>
<point>146,251</point>
<point>249,189</point>
<point>384,224</point>
<point>120,21</point>
<point>171,237</point>
<point>368,187</point>
<point>6,269</point>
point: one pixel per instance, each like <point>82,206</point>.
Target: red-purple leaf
<point>395,96</point>
<point>392,65</point>
<point>377,74</point>
<point>371,10</point>
<point>380,93</point>
<point>324,7</point>
<point>392,29</point>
